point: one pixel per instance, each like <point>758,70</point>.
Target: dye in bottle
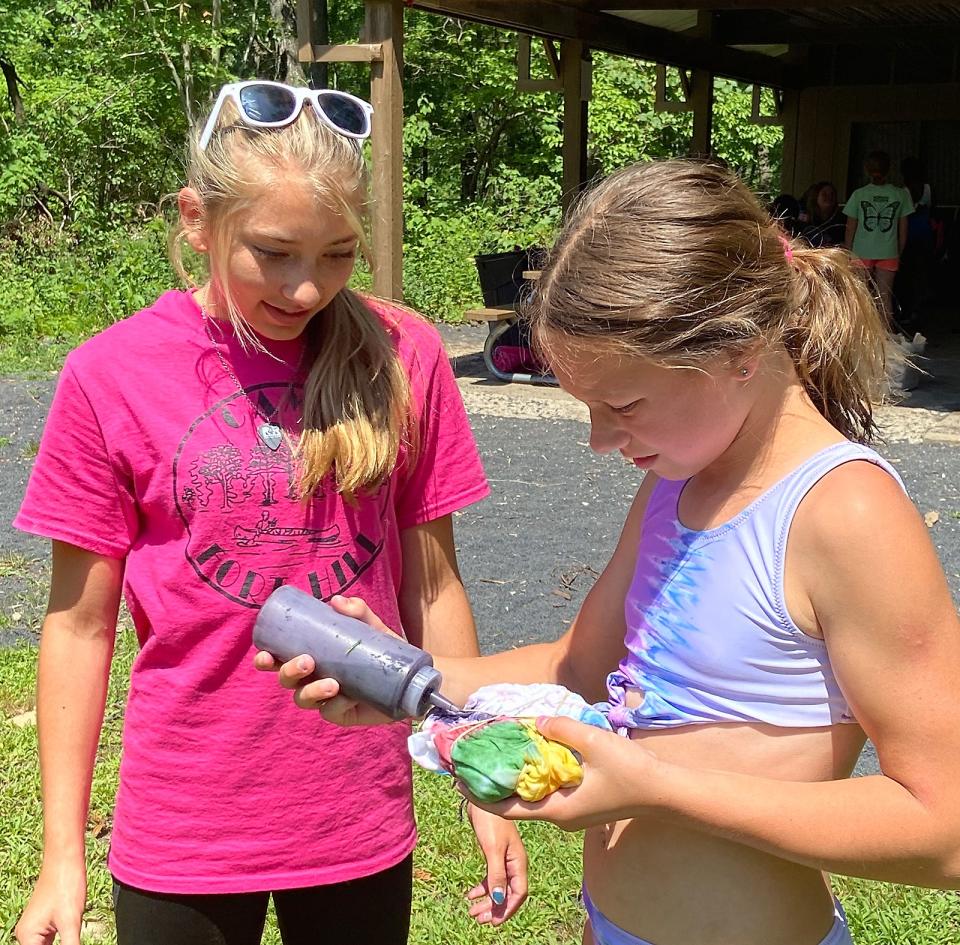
<point>371,666</point>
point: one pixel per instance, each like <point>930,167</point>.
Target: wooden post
<point>701,96</point>
<point>576,78</point>
<point>384,26</point>
<point>313,30</point>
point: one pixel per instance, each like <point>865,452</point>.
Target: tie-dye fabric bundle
<point>494,748</point>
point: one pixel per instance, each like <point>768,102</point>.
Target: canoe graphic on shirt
<point>267,531</point>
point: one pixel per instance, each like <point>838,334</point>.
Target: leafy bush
<point>439,274</point>
<point>56,291</point>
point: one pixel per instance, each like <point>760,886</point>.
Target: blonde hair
<point>357,394</point>
<point>677,261</point>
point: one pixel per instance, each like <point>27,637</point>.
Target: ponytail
<point>837,339</point>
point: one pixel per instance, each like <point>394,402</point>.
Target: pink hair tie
<point>787,249</point>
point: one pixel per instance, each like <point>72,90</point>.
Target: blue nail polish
<point>498,896</point>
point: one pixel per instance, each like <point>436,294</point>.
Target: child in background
<point>268,427</point>
<point>877,227</point>
<point>825,223</point>
<point>774,598</point>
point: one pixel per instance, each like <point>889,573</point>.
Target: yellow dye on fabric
<point>556,767</point>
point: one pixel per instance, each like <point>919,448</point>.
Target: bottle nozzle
<point>444,704</point>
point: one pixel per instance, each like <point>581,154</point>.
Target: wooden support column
<point>701,98</point>
<point>383,26</point>
<point>575,74</point>
<point>701,95</point>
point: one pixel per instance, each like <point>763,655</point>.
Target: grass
<point>446,862</point>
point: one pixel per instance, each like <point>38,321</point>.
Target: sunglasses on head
<point>273,105</point>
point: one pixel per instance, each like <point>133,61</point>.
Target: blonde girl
<point>266,427</point>
<point>774,598</point>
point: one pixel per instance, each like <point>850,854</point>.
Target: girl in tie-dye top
<point>774,598</point>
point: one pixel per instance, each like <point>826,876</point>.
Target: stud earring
<point>744,372</point>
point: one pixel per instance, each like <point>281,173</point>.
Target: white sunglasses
<point>263,104</point>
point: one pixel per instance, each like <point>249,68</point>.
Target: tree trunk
<point>319,71</point>
<point>288,63</point>
<point>215,18</point>
<point>13,88</point>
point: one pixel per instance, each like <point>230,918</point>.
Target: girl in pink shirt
<point>267,427</point>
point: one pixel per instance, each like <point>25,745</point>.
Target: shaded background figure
<point>825,223</point>
<point>785,209</point>
<point>877,227</point>
<point>914,278</point>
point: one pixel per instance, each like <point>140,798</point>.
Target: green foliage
<point>56,291</point>
<point>93,141</point>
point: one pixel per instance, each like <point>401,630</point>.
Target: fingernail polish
<point>498,896</point>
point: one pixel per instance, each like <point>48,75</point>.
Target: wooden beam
<point>383,26</point>
<point>752,29</point>
<point>307,33</point>
<point>524,81</point>
<point>343,52</point>
<point>597,6</point>
<point>574,73</point>
<point>757,117</point>
<point>661,101</point>
<point>617,35</point>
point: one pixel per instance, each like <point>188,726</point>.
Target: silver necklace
<point>270,432</point>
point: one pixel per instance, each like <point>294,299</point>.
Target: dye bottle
<point>371,666</point>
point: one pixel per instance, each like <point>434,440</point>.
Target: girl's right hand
<point>55,907</point>
<point>323,695</point>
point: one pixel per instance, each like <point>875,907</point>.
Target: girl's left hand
<point>504,890</point>
<point>619,779</point>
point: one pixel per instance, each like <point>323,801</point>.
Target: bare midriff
<point>672,885</point>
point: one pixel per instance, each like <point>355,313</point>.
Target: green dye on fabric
<point>489,761</point>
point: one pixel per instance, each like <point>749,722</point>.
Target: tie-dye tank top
<point>709,638</point>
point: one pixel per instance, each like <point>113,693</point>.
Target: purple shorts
<point>606,933</point>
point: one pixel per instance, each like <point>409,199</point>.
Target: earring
<point>744,372</point>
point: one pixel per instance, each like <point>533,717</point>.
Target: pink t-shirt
<point>150,453</point>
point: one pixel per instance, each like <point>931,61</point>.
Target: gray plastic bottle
<point>377,668</point>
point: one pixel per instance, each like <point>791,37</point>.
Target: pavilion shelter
<point>843,77</point>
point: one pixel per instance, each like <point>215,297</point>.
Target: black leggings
<point>374,910</point>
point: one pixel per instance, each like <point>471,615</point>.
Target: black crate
<point>501,275</point>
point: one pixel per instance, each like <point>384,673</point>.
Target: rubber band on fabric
<point>787,249</point>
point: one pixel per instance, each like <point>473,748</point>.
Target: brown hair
<point>677,261</point>
<point>356,395</point>
<point>877,166</point>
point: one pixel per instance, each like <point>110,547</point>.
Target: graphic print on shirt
<point>877,217</point>
<point>247,531</point>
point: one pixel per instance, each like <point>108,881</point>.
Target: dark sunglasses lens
<point>267,102</point>
<point>345,114</point>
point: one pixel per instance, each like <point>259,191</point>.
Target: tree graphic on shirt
<point>221,466</point>
<point>266,465</point>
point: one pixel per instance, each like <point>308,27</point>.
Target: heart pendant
<point>271,435</point>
